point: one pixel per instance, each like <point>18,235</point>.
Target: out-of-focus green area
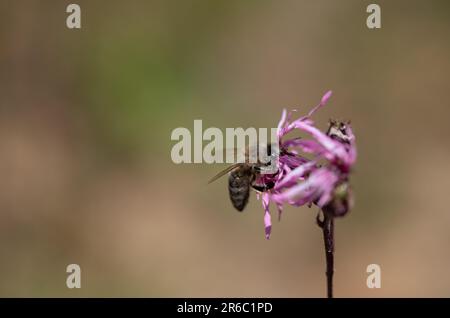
<point>85,123</point>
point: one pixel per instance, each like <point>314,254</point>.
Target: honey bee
<point>242,177</point>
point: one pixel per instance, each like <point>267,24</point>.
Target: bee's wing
<point>230,152</point>
<point>224,172</point>
<point>238,155</point>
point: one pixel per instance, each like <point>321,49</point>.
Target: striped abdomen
<point>239,183</point>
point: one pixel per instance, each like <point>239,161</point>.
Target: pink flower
<point>323,180</point>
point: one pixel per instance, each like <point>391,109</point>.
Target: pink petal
<point>280,211</point>
<point>334,149</point>
<point>281,124</point>
<point>326,97</point>
<point>308,146</point>
<point>318,186</point>
<point>292,162</point>
<point>267,219</point>
<point>295,174</point>
<point>322,103</point>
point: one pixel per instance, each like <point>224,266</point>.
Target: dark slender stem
<point>327,226</point>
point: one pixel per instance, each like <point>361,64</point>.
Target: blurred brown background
<point>85,123</point>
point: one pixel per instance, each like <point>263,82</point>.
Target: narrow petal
<point>334,149</point>
<point>267,219</point>
<point>295,174</point>
<point>297,195</point>
<point>281,124</point>
<point>318,186</point>
<point>292,161</point>
<point>326,97</point>
<point>322,103</point>
<point>280,211</point>
<point>308,146</point>
<point>267,225</point>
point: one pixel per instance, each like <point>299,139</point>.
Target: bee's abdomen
<point>239,189</point>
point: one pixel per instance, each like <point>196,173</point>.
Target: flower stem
<point>327,225</point>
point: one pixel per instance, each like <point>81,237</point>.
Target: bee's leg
<point>256,169</point>
<point>264,187</point>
